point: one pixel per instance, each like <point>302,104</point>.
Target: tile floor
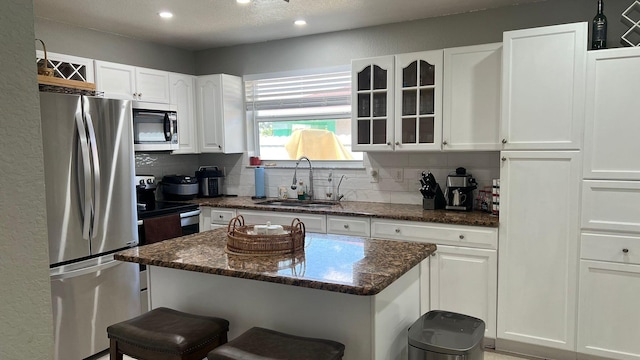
<point>488,355</point>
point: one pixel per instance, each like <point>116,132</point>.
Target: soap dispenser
<point>301,192</point>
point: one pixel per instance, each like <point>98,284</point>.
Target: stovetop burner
<point>166,208</point>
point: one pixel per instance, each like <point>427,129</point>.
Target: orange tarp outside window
<point>316,144</point>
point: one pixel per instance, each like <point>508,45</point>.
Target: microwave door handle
<point>168,127</point>
<point>95,162</point>
<point>84,175</point>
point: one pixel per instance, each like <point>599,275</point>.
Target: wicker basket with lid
<point>242,240</point>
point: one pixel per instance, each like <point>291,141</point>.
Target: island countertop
<point>338,263</point>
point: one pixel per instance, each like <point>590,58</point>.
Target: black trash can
<point>444,335</point>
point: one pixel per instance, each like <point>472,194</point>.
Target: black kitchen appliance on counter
<point>179,187</point>
<point>459,192</point>
<point>210,181</point>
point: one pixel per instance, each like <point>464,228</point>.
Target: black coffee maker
<point>459,192</point>
<point>146,192</point>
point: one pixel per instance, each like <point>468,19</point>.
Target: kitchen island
<point>364,293</point>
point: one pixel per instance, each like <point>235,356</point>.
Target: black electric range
<point>161,208</point>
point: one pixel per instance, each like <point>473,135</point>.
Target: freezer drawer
<point>87,297</point>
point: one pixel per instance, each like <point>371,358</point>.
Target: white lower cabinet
<point>538,252</point>
<point>463,271</point>
<point>465,280</point>
<point>609,311</point>
<point>312,222</point>
<point>215,218</point>
<point>349,225</point>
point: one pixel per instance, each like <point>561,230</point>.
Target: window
<point>307,115</point>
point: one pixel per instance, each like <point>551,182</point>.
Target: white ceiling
<point>203,24</point>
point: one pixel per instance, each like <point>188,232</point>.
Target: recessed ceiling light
<point>165,14</point>
<point>300,22</point>
<point>243,1</point>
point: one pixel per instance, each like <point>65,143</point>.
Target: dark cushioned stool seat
<point>166,334</point>
<point>264,344</point>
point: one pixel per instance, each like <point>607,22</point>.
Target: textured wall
<point>25,301</point>
<point>339,48</point>
<point>66,39</point>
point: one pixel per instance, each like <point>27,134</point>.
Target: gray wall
<point>26,330</point>
<point>72,40</point>
<point>339,48</point>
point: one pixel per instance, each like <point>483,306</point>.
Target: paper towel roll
<point>259,182</point>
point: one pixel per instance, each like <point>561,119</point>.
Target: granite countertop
<point>368,209</point>
<point>337,263</point>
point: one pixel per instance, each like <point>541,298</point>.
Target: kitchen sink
<point>298,203</point>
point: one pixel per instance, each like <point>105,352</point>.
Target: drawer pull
<point>397,231</point>
<point>626,251</point>
<point>461,236</point>
<point>346,226</point>
<point>221,216</point>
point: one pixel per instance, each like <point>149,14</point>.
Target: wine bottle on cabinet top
<point>599,29</point>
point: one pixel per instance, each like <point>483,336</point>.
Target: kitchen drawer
<point>456,235</point>
<point>609,247</point>
<point>222,216</point>
<point>348,225</point>
<point>611,205</point>
<point>312,222</point>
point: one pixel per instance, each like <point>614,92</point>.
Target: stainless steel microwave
<point>155,127</point>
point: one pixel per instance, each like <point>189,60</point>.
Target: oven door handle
<point>182,215</point>
<point>190,214</point>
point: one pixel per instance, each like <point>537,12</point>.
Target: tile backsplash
<point>398,174</point>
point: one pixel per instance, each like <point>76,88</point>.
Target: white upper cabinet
<point>152,85</point>
<point>372,95</point>
<point>182,95</point>
<point>612,127</point>
<point>129,82</point>
<point>220,114</point>
<point>543,87</point>
<point>418,101</point>
<point>471,97</point>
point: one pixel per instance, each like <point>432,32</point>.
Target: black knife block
<point>435,203</point>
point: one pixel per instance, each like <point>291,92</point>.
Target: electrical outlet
<point>399,175</point>
<point>373,175</point>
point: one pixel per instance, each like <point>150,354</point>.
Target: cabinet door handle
<point>626,251</point>
<point>433,253</point>
<point>388,143</point>
<point>139,95</point>
<point>444,142</point>
<point>504,141</point>
<point>220,147</point>
<point>504,158</point>
<point>461,236</point>
<point>346,226</point>
<point>397,231</point>
<point>397,143</point>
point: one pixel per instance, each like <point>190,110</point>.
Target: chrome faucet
<point>295,177</point>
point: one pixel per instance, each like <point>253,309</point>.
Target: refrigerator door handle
<point>84,149</point>
<point>95,162</point>
<point>87,270</point>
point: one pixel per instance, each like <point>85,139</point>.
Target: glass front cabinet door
<point>372,110</point>
<point>418,101</point>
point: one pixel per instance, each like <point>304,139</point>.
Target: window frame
<point>254,133</point>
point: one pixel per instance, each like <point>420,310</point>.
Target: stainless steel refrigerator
<point>91,213</point>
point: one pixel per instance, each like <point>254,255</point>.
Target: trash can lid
<point>446,332</point>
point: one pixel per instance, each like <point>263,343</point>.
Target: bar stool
<point>167,334</point>
<point>264,344</point>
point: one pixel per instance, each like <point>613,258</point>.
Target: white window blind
<point>308,97</point>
